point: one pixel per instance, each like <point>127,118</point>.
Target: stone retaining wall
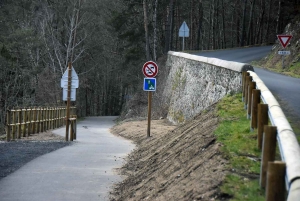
<point>196,82</point>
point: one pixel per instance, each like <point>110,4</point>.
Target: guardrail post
<point>254,108</point>
<point>8,126</point>
<point>262,120</point>
<point>248,80</point>
<point>252,86</point>
<point>268,152</point>
<point>275,181</point>
<point>244,74</point>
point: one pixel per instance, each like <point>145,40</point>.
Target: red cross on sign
<point>284,39</point>
<point>150,69</point>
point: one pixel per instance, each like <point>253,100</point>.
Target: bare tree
<point>145,6</point>
<point>243,24</point>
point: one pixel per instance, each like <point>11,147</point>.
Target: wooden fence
<point>26,121</point>
<point>262,108</point>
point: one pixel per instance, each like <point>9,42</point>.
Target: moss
<point>178,79</point>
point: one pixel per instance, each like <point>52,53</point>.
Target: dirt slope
<point>176,163</point>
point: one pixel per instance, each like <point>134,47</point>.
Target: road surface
<point>286,89</point>
<point>83,171</point>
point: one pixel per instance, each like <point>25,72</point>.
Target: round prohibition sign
<point>150,69</point>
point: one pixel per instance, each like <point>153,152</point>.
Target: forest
<point>108,42</point>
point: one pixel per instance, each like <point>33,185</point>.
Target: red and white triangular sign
<point>284,39</point>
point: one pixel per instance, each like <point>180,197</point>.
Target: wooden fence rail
<point>274,175</point>
<point>26,121</point>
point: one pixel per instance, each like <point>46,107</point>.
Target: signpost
<point>284,52</point>
<point>284,40</point>
<point>149,84</point>
<point>69,82</point>
<point>184,31</point>
<point>150,70</point>
<point>74,85</point>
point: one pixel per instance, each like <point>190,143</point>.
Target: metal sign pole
<point>183,43</point>
<point>68,99</point>
<point>149,112</point>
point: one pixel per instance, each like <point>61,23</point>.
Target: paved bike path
<point>82,171</point>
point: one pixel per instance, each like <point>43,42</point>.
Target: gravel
<point>15,154</point>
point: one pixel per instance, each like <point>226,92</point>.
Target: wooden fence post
<point>52,118</point>
<point>262,120</point>
<point>248,80</point>
<point>42,120</point>
<point>45,118</point>
<point>13,124</point>
<point>71,129</point>
<point>34,119</point>
<point>29,119</point>
<point>19,123</point>
<point>244,84</point>
<point>38,120</point>
<point>252,85</point>
<point>24,123</point>
<point>275,181</point>
<point>56,117</point>
<point>254,108</point>
<point>268,152</point>
<point>8,126</point>
<point>75,124</point>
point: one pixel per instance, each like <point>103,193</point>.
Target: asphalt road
<point>286,89</point>
<point>82,171</point>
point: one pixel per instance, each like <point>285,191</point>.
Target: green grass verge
<point>240,148</point>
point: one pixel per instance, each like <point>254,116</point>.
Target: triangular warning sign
<point>284,39</point>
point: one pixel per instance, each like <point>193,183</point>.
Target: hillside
<point>291,62</point>
<point>182,164</point>
<point>210,157</point>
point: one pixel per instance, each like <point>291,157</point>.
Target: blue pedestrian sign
<point>149,84</point>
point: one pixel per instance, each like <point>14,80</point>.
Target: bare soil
<point>175,163</point>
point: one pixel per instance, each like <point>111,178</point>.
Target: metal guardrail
<point>286,138</point>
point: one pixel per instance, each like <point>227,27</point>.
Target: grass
<point>240,148</point>
<point>293,70</point>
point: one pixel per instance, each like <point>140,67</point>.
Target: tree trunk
<point>259,24</point>
<point>266,38</point>
<point>155,30</point>
<point>278,17</point>
<point>213,25</point>
<point>199,25</point>
<point>250,22</point>
<point>223,25</point>
<point>244,24</point>
<point>169,27</point>
<point>145,6</point>
<point>209,26</point>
